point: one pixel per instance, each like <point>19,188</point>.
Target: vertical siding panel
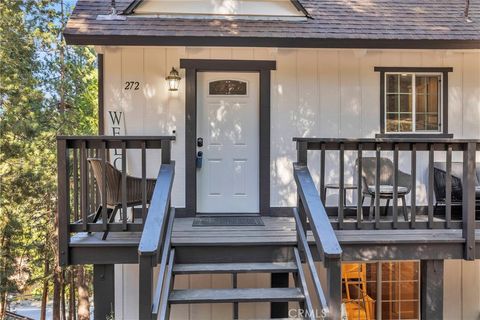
<point>133,101</point>
<point>455,93</point>
<point>452,289</point>
<point>130,289</point>
<point>305,112</point>
<point>222,310</point>
<point>470,289</point>
<point>197,53</point>
<point>181,311</point>
<point>262,54</point>
<point>246,310</point>
<point>155,115</point>
<point>113,84</point>
<point>471,96</point>
<point>253,310</point>
<point>262,311</point>
<point>330,111</point>
<point>410,59</point>
<point>370,87</point>
<point>176,121</point>
<point>308,109</point>
<point>242,53</point>
<point>200,311</point>
<point>283,149</point>
<point>390,59</point>
<point>221,53</point>
<point>119,291</point>
<point>431,58</point>
<point>350,95</point>
<point>329,88</point>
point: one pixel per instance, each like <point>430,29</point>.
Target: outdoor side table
<point>336,186</point>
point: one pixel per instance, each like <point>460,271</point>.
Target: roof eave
<point>225,41</point>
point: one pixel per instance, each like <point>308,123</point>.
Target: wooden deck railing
<point>80,199</point>
<point>311,209</point>
<point>418,215</point>
<point>155,246</point>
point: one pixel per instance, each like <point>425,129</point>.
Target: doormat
<point>227,221</point>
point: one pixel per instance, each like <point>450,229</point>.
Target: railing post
<point>303,217</point>
<point>146,262</point>
<point>63,207</point>
<point>431,159</point>
<point>166,151</point>
<point>341,185</point>
<point>468,199</point>
<point>302,152</point>
<point>413,197</point>
<point>334,280</point>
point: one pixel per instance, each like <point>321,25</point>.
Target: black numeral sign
<point>132,85</point>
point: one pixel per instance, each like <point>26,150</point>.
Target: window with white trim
<point>413,102</point>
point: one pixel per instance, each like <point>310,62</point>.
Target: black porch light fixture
<point>173,80</point>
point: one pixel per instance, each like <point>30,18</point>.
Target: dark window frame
<point>444,124</point>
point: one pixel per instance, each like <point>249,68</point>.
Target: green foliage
<point>46,89</point>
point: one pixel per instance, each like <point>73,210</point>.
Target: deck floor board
<point>276,231</point>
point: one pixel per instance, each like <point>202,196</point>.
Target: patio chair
<point>114,189</point>
<point>386,183</point>
<point>439,183</point>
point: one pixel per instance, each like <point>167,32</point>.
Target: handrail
<point>310,263</point>
<point>157,213</point>
<point>311,207</point>
<point>156,233</point>
<point>163,264</point>
<point>322,230</point>
<point>384,140</point>
<point>302,283</point>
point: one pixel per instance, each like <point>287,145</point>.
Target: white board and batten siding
<point>314,93</point>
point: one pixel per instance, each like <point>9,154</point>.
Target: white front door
<point>228,123</point>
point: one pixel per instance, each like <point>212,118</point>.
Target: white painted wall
<point>315,93</point>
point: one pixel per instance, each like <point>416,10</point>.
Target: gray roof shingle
<point>335,23</point>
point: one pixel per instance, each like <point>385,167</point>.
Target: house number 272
<point>132,85</point>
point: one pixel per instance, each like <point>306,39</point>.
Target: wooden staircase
<point>236,295</point>
<point>155,248</point>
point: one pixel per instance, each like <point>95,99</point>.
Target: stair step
<point>271,267</point>
<point>235,295</point>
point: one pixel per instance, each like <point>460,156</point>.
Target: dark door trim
<point>192,66</point>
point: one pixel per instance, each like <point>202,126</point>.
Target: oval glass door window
<point>227,88</point>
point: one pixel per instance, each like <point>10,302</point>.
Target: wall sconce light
<point>173,80</point>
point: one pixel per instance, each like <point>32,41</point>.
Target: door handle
<point>200,142</point>
<point>199,160</point>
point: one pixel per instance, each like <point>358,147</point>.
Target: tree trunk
<point>71,303</point>
<point>57,291</point>
<point>3,303</point>
<point>63,308</point>
<point>5,245</point>
<point>43,309</point>
<point>83,296</point>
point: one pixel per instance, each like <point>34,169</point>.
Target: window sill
<point>415,135</point>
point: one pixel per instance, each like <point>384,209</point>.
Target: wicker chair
<point>114,189</point>
<point>386,183</point>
